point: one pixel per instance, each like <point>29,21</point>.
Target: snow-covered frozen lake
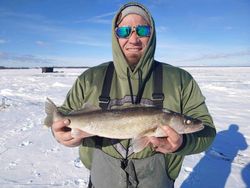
<point>30,157</point>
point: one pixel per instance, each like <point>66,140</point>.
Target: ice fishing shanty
<point>47,69</point>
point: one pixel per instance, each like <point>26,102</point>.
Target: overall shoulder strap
<point>104,98</point>
<point>158,95</point>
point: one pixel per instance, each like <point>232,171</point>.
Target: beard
<point>133,60</point>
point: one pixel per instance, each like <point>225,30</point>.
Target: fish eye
<point>187,121</point>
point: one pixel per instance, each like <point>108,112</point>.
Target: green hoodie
<point>181,94</point>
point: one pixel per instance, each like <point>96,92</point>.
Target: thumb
<point>66,122</point>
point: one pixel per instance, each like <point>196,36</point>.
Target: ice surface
<point>30,157</point>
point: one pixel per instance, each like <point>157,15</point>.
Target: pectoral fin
<point>75,133</point>
<point>78,133</point>
<point>139,143</point>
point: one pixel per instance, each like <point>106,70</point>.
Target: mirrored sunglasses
<point>126,31</point>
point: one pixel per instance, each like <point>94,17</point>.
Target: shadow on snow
<point>215,167</point>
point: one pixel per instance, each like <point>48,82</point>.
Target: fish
<point>133,122</point>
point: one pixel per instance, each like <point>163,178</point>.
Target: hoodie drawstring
<point>130,87</point>
<point>140,87</point>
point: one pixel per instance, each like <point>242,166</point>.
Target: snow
<point>30,156</point>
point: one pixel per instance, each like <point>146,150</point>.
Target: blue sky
<point>78,32</point>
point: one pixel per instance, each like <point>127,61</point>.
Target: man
<point>138,79</point>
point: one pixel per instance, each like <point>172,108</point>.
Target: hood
<point>147,59</point>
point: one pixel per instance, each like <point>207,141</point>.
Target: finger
<point>174,139</point>
<point>73,142</point>
<point>64,136</point>
<point>61,125</point>
<point>154,141</point>
<point>173,136</point>
<point>165,146</point>
<point>159,144</point>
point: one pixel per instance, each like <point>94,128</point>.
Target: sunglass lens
<point>143,31</point>
<point>123,32</point>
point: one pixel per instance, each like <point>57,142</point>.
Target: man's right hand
<point>63,135</point>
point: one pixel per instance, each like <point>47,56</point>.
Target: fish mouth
<point>199,124</point>
<point>196,124</point>
<point>197,121</point>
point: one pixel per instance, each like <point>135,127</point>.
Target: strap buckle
<point>157,96</point>
<point>104,100</point>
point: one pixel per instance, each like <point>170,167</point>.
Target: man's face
<point>133,47</point>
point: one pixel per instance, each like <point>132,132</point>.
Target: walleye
<point>135,123</point>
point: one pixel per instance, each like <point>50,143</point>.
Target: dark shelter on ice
<point>47,69</point>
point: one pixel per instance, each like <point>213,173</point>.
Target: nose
<point>133,37</point>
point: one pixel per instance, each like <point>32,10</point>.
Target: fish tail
<point>50,109</point>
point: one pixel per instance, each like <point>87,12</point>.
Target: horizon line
<point>76,67</point>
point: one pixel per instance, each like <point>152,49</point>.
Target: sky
<point>36,33</point>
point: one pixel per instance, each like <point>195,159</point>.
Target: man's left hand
<point>168,144</point>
